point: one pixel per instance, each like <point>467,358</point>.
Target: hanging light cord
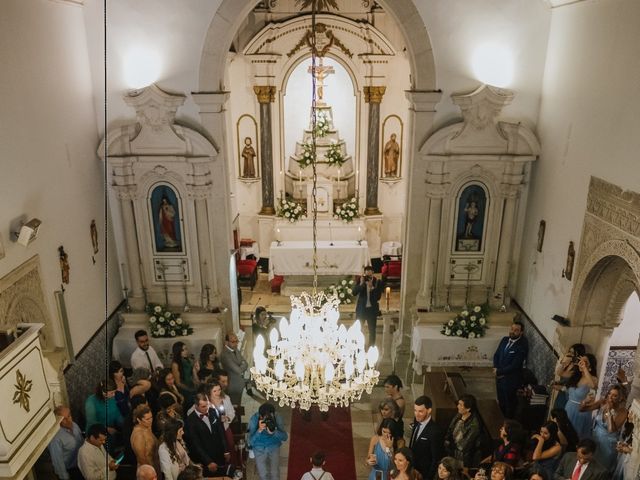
<point>313,148</point>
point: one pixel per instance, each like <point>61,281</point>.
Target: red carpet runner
<point>333,436</point>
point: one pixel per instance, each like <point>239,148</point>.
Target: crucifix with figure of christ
<point>320,72</point>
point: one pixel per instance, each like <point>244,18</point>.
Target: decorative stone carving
<point>607,206</point>
<point>324,40</point>
<point>22,300</point>
<point>265,93</point>
<point>374,94</point>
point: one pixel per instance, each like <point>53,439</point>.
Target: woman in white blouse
<point>222,403</point>
<point>173,455</point>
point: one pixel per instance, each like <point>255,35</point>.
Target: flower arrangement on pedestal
<point>290,210</point>
<point>333,155</point>
<point>469,323</point>
<point>348,211</point>
<point>322,125</point>
<point>343,290</point>
<point>164,323</point>
<point>308,155</point>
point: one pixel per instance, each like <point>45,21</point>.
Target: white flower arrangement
<point>334,155</point>
<point>348,211</point>
<point>343,290</point>
<point>290,210</point>
<point>322,125</point>
<point>164,323</point>
<point>467,324</point>
<point>308,155</point>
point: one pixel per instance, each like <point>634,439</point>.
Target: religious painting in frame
<point>391,148</point>
<point>248,151</point>
<point>471,218</point>
<point>165,210</point>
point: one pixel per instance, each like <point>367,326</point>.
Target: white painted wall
<point>588,125</point>
<point>48,164</point>
<point>626,334</point>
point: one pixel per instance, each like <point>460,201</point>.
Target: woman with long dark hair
<point>172,452</point>
<point>546,448</point>
<point>403,462</point>
<point>509,449</point>
<point>566,433</point>
<point>206,363</point>
<point>578,389</point>
<point>381,448</point>
<point>167,383</point>
<point>566,368</point>
<point>182,369</point>
<point>449,468</point>
<point>393,390</point>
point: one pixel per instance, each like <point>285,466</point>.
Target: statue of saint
<point>391,157</point>
<point>248,154</point>
<point>471,215</point>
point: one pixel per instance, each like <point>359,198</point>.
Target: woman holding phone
<point>381,448</point>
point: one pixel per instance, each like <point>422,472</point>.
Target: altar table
<point>433,349</point>
<point>340,257</point>
<point>124,343</point>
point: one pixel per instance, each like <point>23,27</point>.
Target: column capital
<point>265,93</point>
<point>373,94</point>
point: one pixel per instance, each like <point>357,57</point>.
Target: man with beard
<point>508,362</point>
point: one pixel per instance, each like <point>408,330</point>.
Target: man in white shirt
<point>145,356</point>
<point>64,446</point>
<point>93,460</point>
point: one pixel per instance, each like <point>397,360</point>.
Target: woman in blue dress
<point>578,391</point>
<point>382,447</point>
<point>566,368</point>
<point>610,417</point>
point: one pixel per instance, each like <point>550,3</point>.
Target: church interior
<point>211,157</point>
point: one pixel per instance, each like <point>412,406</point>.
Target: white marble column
<point>212,115</point>
<point>507,232</point>
<point>132,267</point>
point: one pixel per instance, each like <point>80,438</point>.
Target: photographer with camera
<point>266,434</point>
<point>369,290</point>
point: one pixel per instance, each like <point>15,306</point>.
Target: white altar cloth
<point>124,343</point>
<point>433,349</point>
<point>344,257</point>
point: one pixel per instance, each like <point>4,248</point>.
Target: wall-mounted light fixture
<point>28,232</point>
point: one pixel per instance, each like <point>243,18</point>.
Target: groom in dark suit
<point>580,464</point>
<point>427,439</point>
<point>205,439</point>
<point>368,291</point>
<point>508,362</point>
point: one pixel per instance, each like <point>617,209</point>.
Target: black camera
<point>270,423</point>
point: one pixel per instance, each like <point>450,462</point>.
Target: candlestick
<point>387,294</point>
<point>186,307</point>
<point>338,175</point>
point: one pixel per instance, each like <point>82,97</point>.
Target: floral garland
<point>333,155</point>
<point>468,323</point>
<point>348,211</point>
<point>322,126</point>
<point>343,290</point>
<point>164,323</point>
<point>308,155</point>
<point>290,210</point>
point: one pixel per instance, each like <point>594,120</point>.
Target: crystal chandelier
<point>311,359</point>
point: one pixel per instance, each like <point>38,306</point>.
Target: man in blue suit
<point>369,291</point>
<point>508,362</point>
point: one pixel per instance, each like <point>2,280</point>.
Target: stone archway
<point>607,271</point>
<point>231,13</point>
